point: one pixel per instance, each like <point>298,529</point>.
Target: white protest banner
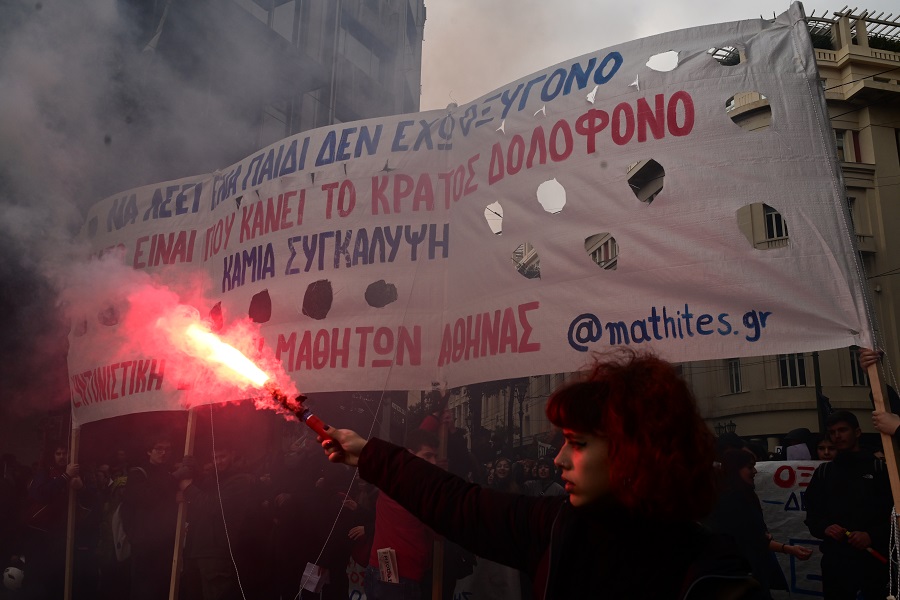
<point>365,251</point>
<point>780,487</point>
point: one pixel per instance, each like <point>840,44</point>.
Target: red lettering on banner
<point>505,331</point>
<point>393,194</point>
<point>164,249</point>
<point>111,382</point>
<point>218,236</point>
<point>266,216</point>
<point>786,476</point>
<point>804,473</point>
<point>626,123</point>
<point>331,348</point>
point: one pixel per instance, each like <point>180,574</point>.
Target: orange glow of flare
<point>212,349</point>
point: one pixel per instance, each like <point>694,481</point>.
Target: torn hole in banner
<point>216,318</point>
<point>80,328</point>
<point>645,178</point>
<point>603,250</point>
<point>527,261</point>
<point>749,110</point>
<point>109,316</point>
<point>317,299</point>
<point>552,196</point>
<point>493,214</point>
<point>260,310</point>
<point>664,61</point>
<point>763,226</point>
<point>727,56</point>
<point>380,293</point>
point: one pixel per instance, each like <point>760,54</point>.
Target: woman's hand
<point>798,552</point>
<point>345,448</point>
<point>357,532</point>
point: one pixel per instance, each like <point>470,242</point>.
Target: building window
<point>606,254</point>
<point>359,54</point>
<point>734,376</point>
<point>857,373</point>
<point>776,227</point>
<point>283,20</point>
<point>839,135</point>
<point>791,370</point>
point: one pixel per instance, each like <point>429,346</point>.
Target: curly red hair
<point>661,452</point>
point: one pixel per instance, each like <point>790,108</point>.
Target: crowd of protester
<point>280,514</point>
<point>254,526</point>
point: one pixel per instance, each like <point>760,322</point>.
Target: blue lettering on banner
<point>224,186</point>
<point>123,212</point>
<point>365,246</point>
<point>174,200</point>
<point>334,150</point>
<point>561,82</point>
<point>258,262</point>
<point>275,163</point>
<point>666,324</point>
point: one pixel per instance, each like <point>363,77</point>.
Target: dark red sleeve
<point>507,528</point>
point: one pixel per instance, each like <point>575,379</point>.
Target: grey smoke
<point>89,108</point>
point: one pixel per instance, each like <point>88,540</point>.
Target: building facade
<point>274,68</point>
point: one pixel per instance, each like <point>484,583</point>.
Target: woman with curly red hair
<point>637,463</point>
<point>660,452</point>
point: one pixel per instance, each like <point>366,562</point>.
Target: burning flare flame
<point>209,347</point>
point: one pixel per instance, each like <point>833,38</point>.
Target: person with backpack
<point>848,507</point>
<point>149,511</point>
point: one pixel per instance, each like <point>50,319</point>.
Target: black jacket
<point>149,507</point>
<point>852,491</point>
<point>567,551</point>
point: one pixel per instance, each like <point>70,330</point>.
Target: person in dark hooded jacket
<point>637,463</point>
<point>738,513</point>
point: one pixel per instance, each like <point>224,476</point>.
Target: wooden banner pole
<point>181,521</point>
<point>437,569</point>
<point>887,441</point>
<point>72,515</point>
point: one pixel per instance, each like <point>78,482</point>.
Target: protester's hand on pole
<point>73,470</point>
<point>348,448</point>
<point>859,539</point>
<point>869,357</point>
<point>885,422</point>
<point>836,532</point>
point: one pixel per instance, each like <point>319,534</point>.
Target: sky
<point>472,47</point>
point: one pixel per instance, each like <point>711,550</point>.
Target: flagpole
<point>70,520</point>
<point>181,520</point>
<point>437,568</point>
<point>887,441</point>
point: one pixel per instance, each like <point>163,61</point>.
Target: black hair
<point>842,416</point>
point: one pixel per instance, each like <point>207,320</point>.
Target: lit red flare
<point>211,348</point>
<point>207,346</point>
